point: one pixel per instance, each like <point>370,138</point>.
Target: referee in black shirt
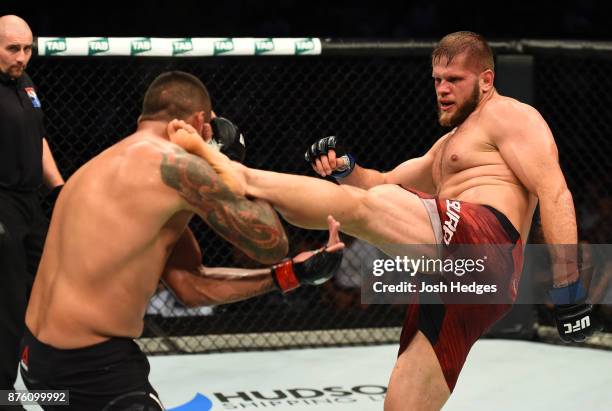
<point>25,161</point>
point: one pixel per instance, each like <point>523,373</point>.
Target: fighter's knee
<point>364,203</point>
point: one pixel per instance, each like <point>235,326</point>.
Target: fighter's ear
<point>486,79</point>
<point>206,132</point>
<point>197,120</point>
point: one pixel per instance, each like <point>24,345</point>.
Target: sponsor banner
<point>487,274</point>
<point>177,47</point>
<point>337,396</point>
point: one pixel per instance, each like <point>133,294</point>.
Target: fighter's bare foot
<point>186,137</point>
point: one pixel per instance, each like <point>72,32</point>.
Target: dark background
<point>576,19</point>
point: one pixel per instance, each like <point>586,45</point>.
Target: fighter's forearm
<point>232,273</point>
<point>219,285</point>
<point>363,178</point>
<point>306,201</point>
<point>558,220</point>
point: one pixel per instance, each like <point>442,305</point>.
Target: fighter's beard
<point>462,112</point>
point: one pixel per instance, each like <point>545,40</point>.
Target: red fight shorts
<point>451,328</point>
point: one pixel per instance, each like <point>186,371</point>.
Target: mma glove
<point>322,147</point>
<point>316,269</point>
<point>573,315</point>
<point>228,138</point>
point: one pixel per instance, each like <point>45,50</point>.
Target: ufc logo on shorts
<point>578,325</point>
<point>453,208</point>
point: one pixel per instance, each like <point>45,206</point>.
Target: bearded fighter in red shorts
<point>478,184</point>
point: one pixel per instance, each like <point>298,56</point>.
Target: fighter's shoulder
<point>503,109</point>
<point>140,148</point>
<point>505,117</point>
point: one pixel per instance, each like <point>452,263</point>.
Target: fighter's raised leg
<point>387,216</point>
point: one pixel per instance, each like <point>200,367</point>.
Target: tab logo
<point>140,46</point>
<point>55,46</point>
<point>223,46</point>
<point>98,46</point>
<point>304,46</point>
<point>264,46</point>
<point>182,46</point>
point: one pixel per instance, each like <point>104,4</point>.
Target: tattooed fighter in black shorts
<point>119,226</point>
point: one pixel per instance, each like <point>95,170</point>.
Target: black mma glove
<point>315,270</point>
<point>228,138</point>
<point>322,147</point>
<point>573,315</point>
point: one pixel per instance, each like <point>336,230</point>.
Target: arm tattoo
<point>252,226</point>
